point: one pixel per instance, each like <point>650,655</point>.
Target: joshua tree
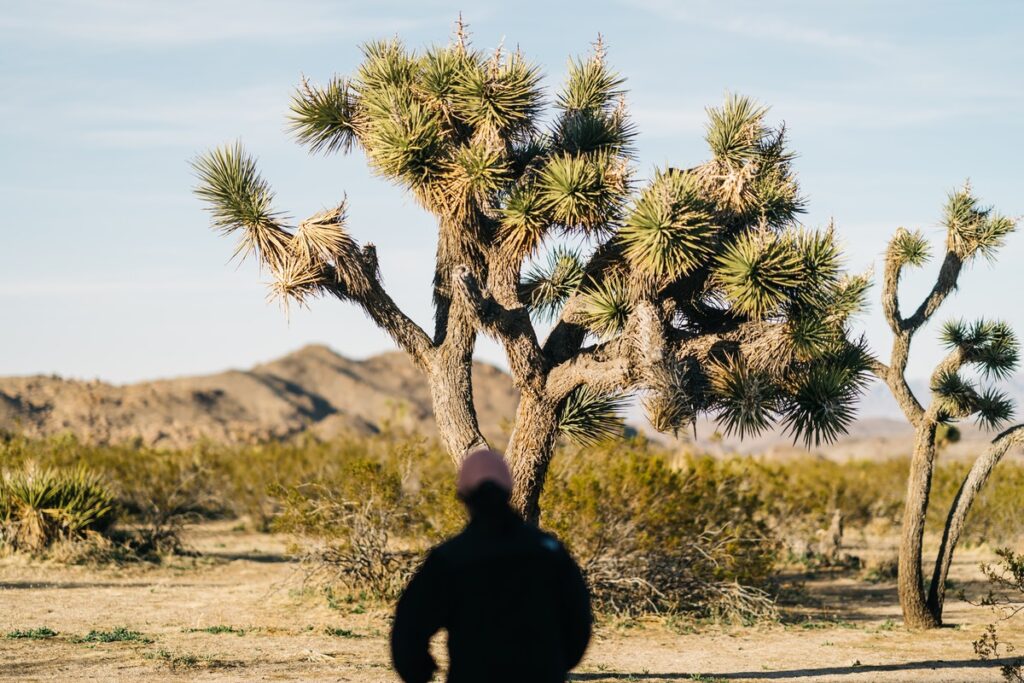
<point>696,288</point>
<point>987,346</point>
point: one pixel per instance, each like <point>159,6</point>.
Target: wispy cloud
<point>735,19</point>
<point>687,117</point>
<point>139,116</point>
<point>163,23</point>
<point>845,113</point>
<point>162,122</point>
<point>131,288</point>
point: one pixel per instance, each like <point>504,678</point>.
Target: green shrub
<point>363,509</point>
<point>367,522</point>
<point>1006,590</point>
<point>650,537</point>
<point>40,505</point>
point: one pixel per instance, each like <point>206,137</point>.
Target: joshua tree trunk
<point>973,483</point>
<point>530,449</point>
<point>451,389</point>
<point>916,614</point>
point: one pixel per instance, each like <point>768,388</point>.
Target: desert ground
<point>240,610</point>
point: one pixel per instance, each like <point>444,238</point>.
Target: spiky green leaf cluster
<point>524,221</point>
<point>818,312</point>
<point>972,229</point>
<point>750,171</point>
<point>758,272</point>
<point>820,255</point>
<point>404,138</point>
<point>441,70</point>
<point>238,198</point>
<point>670,230</point>
<point>546,287</point>
<point>591,85</point>
<point>990,345</point>
<point>386,64</point>
<point>323,118</point>
<point>994,408</point>
<point>814,401</point>
<point>735,130</point>
<point>960,397</point>
<point>606,305</point>
<point>588,416</point>
<point>848,297</point>
<point>478,171</point>
<point>583,192</point>
<point>40,505</point>
<point>745,399</point>
<point>820,402</point>
<point>593,116</point>
<point>236,194</point>
<point>909,248</point>
<point>500,94</point>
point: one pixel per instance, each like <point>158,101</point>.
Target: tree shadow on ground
<point>258,557</point>
<point>928,664</point>
<point>75,585</point>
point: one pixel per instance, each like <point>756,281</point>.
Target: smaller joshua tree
<point>989,347</point>
<point>697,288</point>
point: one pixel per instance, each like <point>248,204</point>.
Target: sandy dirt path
<point>240,613</point>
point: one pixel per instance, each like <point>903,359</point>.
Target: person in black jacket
<point>513,601</point>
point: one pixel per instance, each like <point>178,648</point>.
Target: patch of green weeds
<point>40,633</point>
<point>216,630</point>
<point>117,635</point>
<point>342,632</point>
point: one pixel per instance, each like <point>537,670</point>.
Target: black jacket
<point>511,598</point>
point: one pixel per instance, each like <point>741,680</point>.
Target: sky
<point>108,268</point>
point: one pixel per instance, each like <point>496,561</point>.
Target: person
<point>512,600</point>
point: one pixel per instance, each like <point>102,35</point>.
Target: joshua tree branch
<point>890,292</point>
<point>369,293</point>
<point>511,327</point>
<point>972,484</point>
<point>602,367</point>
<point>894,375</point>
<point>953,361</point>
<point>944,284</point>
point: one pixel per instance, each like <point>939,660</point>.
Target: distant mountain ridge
<point>317,390</point>
<point>314,389</point>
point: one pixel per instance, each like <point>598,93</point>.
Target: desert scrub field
<point>187,552</point>
<point>780,502</point>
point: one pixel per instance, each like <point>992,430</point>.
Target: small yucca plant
<point>39,506</point>
<point>660,287</point>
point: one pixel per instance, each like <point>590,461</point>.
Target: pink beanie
<point>481,466</point>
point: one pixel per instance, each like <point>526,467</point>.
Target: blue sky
<point>108,268</point>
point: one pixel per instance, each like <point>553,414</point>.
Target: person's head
<point>484,483</point>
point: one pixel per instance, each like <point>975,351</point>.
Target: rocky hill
<point>311,389</point>
<point>317,390</point>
